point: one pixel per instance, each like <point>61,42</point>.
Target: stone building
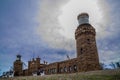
<point>86,44</point>
<point>87,55</point>
<point>18,66</point>
<point>34,66</point>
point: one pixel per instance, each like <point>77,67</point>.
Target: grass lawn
<point>92,75</point>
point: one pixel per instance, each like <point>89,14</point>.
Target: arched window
<point>61,70</point>
<point>75,68</point>
<point>55,70</point>
<point>52,70</point>
<point>70,68</point>
<point>48,70</point>
<point>65,69</point>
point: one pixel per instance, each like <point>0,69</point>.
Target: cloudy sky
<point>45,28</point>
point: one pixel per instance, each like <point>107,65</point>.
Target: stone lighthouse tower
<point>86,44</point>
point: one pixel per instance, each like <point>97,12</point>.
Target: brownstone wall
<point>18,66</point>
<point>51,68</point>
<point>25,72</point>
<point>33,66</point>
<point>67,66</point>
<point>86,47</point>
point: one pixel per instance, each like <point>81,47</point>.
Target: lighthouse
<point>86,44</point>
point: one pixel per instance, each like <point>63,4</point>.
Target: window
<point>61,70</point>
<point>48,71</point>
<point>52,70</point>
<point>70,69</point>
<point>81,50</point>
<point>65,69</point>
<point>55,70</point>
<point>88,41</point>
<point>75,68</point>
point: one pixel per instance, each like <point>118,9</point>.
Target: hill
<point>91,75</point>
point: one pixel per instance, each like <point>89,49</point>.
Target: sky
<point>46,28</point>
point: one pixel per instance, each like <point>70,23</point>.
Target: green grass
<point>95,75</point>
<point>75,77</point>
<point>68,77</point>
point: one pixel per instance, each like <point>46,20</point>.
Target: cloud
<point>49,26</point>
<point>58,20</point>
<point>109,46</point>
<point>57,55</point>
<point>102,26</point>
<point>58,23</point>
<point>5,64</point>
<point>99,13</point>
<point>109,26</point>
<point>108,54</point>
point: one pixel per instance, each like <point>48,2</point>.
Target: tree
<point>118,64</point>
<point>112,65</point>
<point>103,65</point>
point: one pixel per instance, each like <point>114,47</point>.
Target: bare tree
<point>112,65</point>
<point>118,64</point>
